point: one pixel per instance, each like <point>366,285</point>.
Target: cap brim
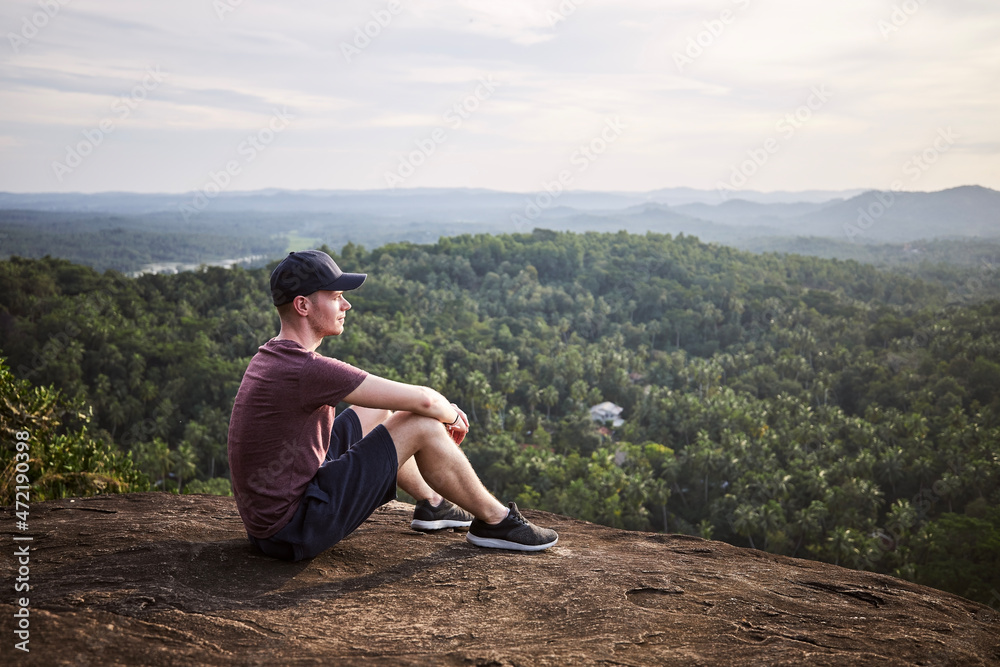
<point>346,282</point>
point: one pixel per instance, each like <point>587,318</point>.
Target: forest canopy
<point>817,408</point>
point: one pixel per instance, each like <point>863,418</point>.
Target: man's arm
<point>378,392</point>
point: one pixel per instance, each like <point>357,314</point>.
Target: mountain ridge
<point>160,229</point>
<point>311,199</point>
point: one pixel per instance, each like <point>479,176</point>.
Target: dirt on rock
<point>159,579</point>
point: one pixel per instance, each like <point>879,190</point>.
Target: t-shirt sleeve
<point>326,381</point>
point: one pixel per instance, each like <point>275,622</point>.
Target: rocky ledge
<point>156,579</point>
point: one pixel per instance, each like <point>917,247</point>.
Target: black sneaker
<point>445,515</point>
<point>515,532</point>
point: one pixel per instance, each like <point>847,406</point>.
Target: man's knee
<point>411,432</point>
<point>408,424</point>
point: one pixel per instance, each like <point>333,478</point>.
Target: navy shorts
<point>357,477</point>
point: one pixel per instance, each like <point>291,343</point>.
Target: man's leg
<point>408,478</point>
<point>446,469</point>
<point>370,417</point>
<point>441,465</point>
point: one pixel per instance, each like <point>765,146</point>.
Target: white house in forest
<point>607,412</point>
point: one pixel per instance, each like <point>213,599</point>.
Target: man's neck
<point>306,339</point>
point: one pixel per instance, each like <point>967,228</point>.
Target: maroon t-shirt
<point>280,429</point>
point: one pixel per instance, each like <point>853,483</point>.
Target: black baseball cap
<point>308,271</point>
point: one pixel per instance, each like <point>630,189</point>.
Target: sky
<point>515,95</point>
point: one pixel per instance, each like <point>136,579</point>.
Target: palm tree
<point>745,520</point>
<point>779,486</point>
<point>534,397</point>
<point>808,522</point>
<point>549,396</point>
<point>116,415</point>
<point>948,487</point>
<point>185,462</point>
<point>899,519</point>
<point>478,387</point>
<point>157,457</point>
<point>891,467</point>
<point>841,543</point>
<point>771,521</point>
<point>515,421</point>
<point>703,457</point>
<point>869,496</point>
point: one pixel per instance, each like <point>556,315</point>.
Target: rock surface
<point>157,579</point>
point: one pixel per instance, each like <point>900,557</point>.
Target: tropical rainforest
<point>812,407</point>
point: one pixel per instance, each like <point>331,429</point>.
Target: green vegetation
<point>917,256</point>
<point>815,408</point>
<point>128,243</point>
<point>297,241</point>
<point>47,440</point>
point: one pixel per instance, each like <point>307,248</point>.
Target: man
<point>304,478</point>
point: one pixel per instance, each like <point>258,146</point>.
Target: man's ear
<point>301,305</point>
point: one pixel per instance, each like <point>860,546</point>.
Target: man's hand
<point>459,429</point>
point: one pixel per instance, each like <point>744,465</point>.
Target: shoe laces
<point>516,516</point>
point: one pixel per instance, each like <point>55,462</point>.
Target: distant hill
<point>743,212</point>
<point>442,202</point>
<point>164,228</point>
<point>907,216</point>
<point>871,217</point>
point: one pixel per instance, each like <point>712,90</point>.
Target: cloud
<point>562,66</point>
<point>521,22</point>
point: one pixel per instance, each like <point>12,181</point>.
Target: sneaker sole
<point>496,543</point>
<point>418,524</point>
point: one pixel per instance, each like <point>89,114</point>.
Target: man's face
<point>330,310</point>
